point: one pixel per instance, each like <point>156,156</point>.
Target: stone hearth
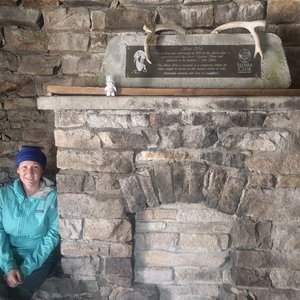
<point>178,197</point>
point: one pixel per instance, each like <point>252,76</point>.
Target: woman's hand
<point>14,277</point>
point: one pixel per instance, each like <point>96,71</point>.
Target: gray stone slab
<point>211,61</point>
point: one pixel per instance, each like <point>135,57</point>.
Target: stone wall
<point>126,166</point>
<point>62,42</point>
<point>177,198</point>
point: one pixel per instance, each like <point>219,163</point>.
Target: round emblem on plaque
<point>244,56</point>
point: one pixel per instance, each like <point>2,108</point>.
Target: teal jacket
<point>28,226</point>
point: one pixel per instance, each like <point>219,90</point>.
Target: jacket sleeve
<point>47,244</point>
<point>7,261</point>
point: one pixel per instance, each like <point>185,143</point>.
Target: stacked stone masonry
<point>46,42</point>
<point>178,198</point>
<point>219,184</point>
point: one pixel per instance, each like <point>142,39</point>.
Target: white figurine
<point>110,88</point>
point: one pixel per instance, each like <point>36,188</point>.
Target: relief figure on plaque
<point>139,60</point>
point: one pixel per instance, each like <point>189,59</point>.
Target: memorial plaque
<point>193,61</point>
<point>196,61</point>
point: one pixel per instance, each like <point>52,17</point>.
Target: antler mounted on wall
<point>152,37</point>
<point>250,26</point>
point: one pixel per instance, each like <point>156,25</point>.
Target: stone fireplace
<point>177,197</point>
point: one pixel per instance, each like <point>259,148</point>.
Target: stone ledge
<point>130,103</point>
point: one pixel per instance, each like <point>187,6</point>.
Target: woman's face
<point>30,172</point>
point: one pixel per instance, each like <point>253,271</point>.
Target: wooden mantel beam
<point>77,90</point>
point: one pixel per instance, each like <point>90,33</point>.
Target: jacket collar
<point>48,185</point>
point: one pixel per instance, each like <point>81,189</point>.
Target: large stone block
<point>40,3</point>
<point>68,41</point>
<point>167,241</point>
<point>214,184</point>
<point>22,17</point>
<point>9,2</point>
<point>285,279</point>
<point>289,34</point>
<point>277,294</point>
<point>288,181</point>
<point>146,181</point>
<point>162,156</point>
<point>194,275</point>
<point>14,102</point>
<point>150,226</point>
<point>107,230</point>
<point>261,181</point>
<point>199,228</point>
<point>160,213</point>
<point>200,213</point>
<point>69,183</point>
<point>67,19</point>
<point>271,205</point>
<point>74,64</point>
<point>199,137</point>
<point>288,164</point>
<point>70,118</point>
<point>254,278</point>
<point>118,266</point>
<point>157,258</point>
<point>286,238</point>
<point>127,19</point>
<point>80,248</point>
<point>102,183</point>
<point>231,194</point>
<point>7,86</point>
<point>36,136</point>
<point>83,205</point>
<point>95,161</point>
<point>78,139</point>
<point>70,228</point>
<point>161,119</point>
<point>129,139</point>
<point>102,120</point>
<point>9,61</point>
<point>154,275</point>
<point>294,64</point>
<point>164,183</point>
<point>133,194</point>
<point>247,11</point>
<point>253,259</point>
<point>98,20</point>
<point>171,137</point>
<point>267,141</point>
<point>188,180</point>
<point>181,182</point>
<point>200,242</point>
<point>196,172</point>
<point>247,234</point>
<point>98,42</point>
<point>283,12</point>
<point>264,141</point>
<point>42,65</point>
<point>192,17</point>
<point>22,39</point>
<point>66,286</point>
<point>23,115</point>
<point>76,3</point>
<point>135,292</point>
<point>149,2</point>
<point>120,250</point>
<point>190,291</point>
<point>288,120</point>
<point>81,268</point>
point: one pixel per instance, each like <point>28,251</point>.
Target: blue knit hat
<point>32,154</point>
